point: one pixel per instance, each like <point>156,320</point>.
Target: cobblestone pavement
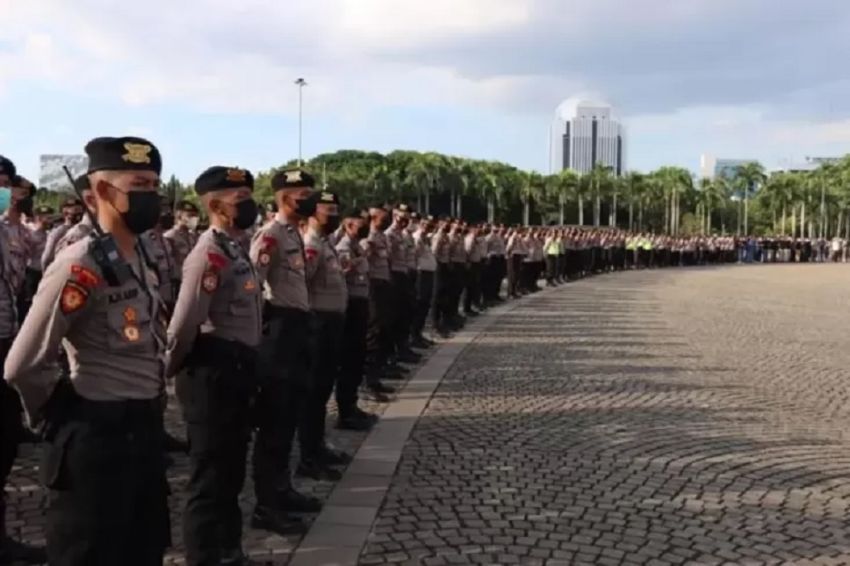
<point>693,416</point>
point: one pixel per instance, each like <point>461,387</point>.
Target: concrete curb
<point>340,531</point>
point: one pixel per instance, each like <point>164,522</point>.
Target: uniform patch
<point>311,254</point>
<point>215,260</point>
<point>73,297</point>
<point>209,282</point>
<point>265,258</point>
<point>269,242</point>
<point>85,276</point>
<point>130,315</point>
<point>250,285</point>
<point>131,333</point>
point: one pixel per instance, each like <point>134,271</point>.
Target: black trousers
<point>424,296</point>
<point>32,277</point>
<point>514,274</point>
<point>551,268</point>
<point>402,310</point>
<point>11,428</point>
<point>103,463</point>
<point>380,338</point>
<point>473,287</point>
<point>352,354</point>
<point>327,348</point>
<point>440,305</point>
<point>216,392</point>
<point>284,384</point>
<point>458,279</point>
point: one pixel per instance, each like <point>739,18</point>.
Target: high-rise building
<point>583,134</point>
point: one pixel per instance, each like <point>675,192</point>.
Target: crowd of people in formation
<point>259,317</point>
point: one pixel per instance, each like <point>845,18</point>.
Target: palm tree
<point>750,175</point>
<point>600,177</point>
<point>633,186</point>
<point>562,186</point>
<point>533,189</point>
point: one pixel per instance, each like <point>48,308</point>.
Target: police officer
<point>441,304</point>
<point>11,429</point>
<point>20,237</point>
<point>381,294</point>
<point>472,283</point>
<point>160,252</point>
<point>457,261</point>
<point>426,268</point>
<point>183,235</point>
<point>82,228</point>
<point>214,334</point>
<point>399,272</point>
<point>72,212</point>
<point>355,267</point>
<point>38,240</point>
<point>103,437</point>
<point>328,300</point>
<point>277,252</point>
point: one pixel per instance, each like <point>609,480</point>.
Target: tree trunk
<point>526,211</point>
<point>803,219</point>
<point>597,206</point>
<point>793,221</point>
<point>782,231</point>
<point>614,212</point>
<point>666,211</point>
<point>631,214</point>
<point>491,209</point>
<point>419,199</point>
<point>640,215</point>
<point>708,220</point>
<point>747,213</point>
<point>562,203</point>
<point>459,206</point>
<point>452,203</point>
<point>427,202</point>
<point>580,210</point>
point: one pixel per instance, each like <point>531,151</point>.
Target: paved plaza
<point>658,417</point>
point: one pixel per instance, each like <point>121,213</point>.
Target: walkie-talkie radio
<point>103,249</point>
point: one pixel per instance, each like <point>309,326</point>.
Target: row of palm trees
<point>668,199</point>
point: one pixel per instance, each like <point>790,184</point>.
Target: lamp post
<point>301,84</point>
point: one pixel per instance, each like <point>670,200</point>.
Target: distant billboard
<point>51,175</point>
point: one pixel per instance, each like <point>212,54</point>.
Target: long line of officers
<point>259,320</point>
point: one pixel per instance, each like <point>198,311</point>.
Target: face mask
<point>76,218</point>
<point>24,206</point>
<point>166,221</point>
<point>246,214</point>
<point>363,232</point>
<point>385,223</point>
<point>192,222</point>
<point>331,224</point>
<point>306,207</point>
<point>142,212</point>
<point>5,199</point>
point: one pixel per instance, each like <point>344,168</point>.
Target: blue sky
<point>211,81</point>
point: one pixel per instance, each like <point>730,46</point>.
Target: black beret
<point>7,167</point>
<point>218,178</point>
<point>292,179</point>
<point>43,209</point>
<point>271,206</point>
<point>123,154</point>
<point>81,183</point>
<point>353,212</point>
<point>22,182</point>
<point>72,201</point>
<point>327,197</point>
<point>379,204</point>
<point>187,206</point>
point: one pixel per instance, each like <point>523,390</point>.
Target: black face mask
<point>142,212</point>
<point>385,223</point>
<point>246,214</point>
<point>363,232</point>
<point>76,218</point>
<point>306,207</point>
<point>166,221</point>
<point>331,224</point>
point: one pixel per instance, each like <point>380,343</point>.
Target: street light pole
<point>301,84</point>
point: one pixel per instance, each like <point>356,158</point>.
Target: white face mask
<point>192,222</point>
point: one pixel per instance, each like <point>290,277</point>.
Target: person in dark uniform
<point>102,457</point>
<point>214,334</point>
<point>72,213</point>
<point>277,252</point>
<point>355,267</point>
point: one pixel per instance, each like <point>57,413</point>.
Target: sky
<point>212,81</point>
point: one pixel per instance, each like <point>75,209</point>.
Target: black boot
<point>316,469</point>
<point>296,502</point>
<point>277,521</point>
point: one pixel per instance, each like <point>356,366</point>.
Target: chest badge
<point>209,282</point>
<point>250,285</point>
<point>131,333</point>
<point>130,315</point>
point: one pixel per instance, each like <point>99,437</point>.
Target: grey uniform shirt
<point>219,295</point>
<point>277,252</point>
<point>38,240</point>
<point>74,234</point>
<point>378,255</point>
<point>425,260</point>
<point>470,246</point>
<point>397,251</point>
<point>8,303</point>
<point>53,238</point>
<point>355,267</point>
<point>114,336</point>
<point>325,281</point>
<point>160,253</point>
<point>457,253</point>
<point>409,250</point>
<point>182,241</point>
<point>20,249</point>
<point>440,247</point>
